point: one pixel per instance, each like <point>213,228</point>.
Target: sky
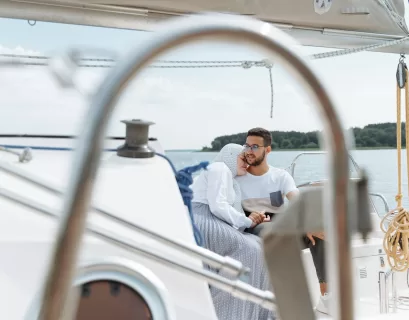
<point>190,107</point>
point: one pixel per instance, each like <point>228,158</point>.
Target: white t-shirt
<point>265,192</point>
<point>214,187</point>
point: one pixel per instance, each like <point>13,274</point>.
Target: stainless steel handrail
<point>236,287</point>
<point>377,195</point>
<point>278,46</point>
<point>383,293</point>
<point>385,202</point>
<point>24,156</point>
<point>386,278</point>
<point>214,260</point>
<point>356,167</point>
<point>293,163</point>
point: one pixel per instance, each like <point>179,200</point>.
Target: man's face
<point>255,152</point>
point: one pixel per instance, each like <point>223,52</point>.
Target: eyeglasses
<point>253,147</point>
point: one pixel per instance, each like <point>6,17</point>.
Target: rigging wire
<point>40,60</point>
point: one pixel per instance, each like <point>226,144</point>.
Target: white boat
<point>129,256</point>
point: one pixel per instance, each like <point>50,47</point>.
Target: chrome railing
<point>233,267</point>
<point>278,46</point>
<point>384,202</point>
<point>310,153</point>
<point>387,280</point>
<point>237,288</point>
<point>292,166</point>
<point>23,156</point>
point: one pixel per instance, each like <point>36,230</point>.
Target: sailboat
<point>59,260</point>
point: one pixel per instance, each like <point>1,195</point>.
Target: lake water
<point>381,166</point>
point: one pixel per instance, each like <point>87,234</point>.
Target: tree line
<point>378,135</point>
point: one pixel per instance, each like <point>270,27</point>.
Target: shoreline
<point>283,150</point>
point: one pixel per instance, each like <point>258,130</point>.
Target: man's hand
<point>257,218</point>
<point>319,235</point>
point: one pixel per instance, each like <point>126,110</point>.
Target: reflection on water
<point>381,166</point>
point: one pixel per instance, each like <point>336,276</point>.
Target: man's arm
<point>288,186</point>
<point>293,192</point>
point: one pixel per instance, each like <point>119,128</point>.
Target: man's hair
<point>263,133</point>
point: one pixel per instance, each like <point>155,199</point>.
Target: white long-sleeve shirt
<point>214,187</point>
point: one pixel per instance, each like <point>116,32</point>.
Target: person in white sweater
<point>219,216</point>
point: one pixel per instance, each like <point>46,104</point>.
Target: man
<point>263,188</point>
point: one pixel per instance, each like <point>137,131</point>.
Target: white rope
<point>360,49</point>
<point>14,59</point>
<point>30,60</point>
<point>390,9</point>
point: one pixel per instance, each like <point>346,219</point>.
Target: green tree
<point>370,136</point>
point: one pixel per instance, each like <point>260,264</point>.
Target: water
<point>381,166</point>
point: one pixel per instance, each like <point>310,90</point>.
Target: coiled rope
<point>396,239</point>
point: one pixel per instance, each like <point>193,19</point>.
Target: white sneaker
<point>323,304</point>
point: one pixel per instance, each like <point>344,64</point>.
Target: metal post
<point>394,292</point>
<point>387,274</point>
<point>387,280</point>
<point>382,293</point>
<point>279,47</point>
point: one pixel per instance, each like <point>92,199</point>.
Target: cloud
<point>36,104</point>
<point>192,106</point>
<point>18,50</point>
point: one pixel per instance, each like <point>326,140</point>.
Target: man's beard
<point>257,161</point>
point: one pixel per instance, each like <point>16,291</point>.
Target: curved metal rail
<point>236,287</point>
<point>228,264</point>
<point>24,156</point>
<point>293,164</point>
<point>384,201</point>
<point>278,46</point>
